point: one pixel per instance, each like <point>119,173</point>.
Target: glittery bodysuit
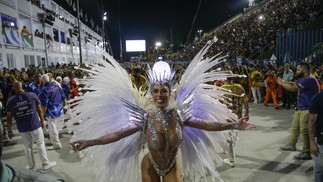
<point>163,135</point>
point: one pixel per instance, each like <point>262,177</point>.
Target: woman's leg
<point>148,172</point>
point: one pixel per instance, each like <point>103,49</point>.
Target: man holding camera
<point>307,86</point>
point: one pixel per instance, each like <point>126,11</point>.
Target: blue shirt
<point>66,90</point>
<point>308,86</point>
<point>51,97</point>
<point>23,108</point>
<point>33,87</point>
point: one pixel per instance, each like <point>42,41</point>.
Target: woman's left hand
<point>80,145</point>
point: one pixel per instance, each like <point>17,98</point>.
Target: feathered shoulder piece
<point>109,104</point>
<point>195,99</point>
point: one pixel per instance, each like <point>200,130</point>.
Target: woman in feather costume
<point>165,125</point>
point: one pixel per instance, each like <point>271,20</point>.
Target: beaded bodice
<point>163,135</point>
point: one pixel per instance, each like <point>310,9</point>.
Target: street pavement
<point>258,157</point>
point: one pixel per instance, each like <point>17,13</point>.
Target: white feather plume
<point>102,111</point>
<point>205,102</point>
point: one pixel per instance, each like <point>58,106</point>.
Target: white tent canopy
<point>273,58</point>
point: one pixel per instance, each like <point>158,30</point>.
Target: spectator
<point>9,173</point>
<point>287,77</point>
<point>239,101</point>
<point>1,120</point>
<point>26,110</point>
<point>52,101</point>
<point>37,33</point>
<point>271,89</point>
<point>256,77</point>
<point>51,79</point>
<point>307,86</point>
<point>25,31</point>
<point>73,85</point>
<point>138,80</point>
<point>315,128</point>
<point>64,85</point>
<point>34,86</point>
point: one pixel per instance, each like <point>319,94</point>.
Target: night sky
<point>153,20</point>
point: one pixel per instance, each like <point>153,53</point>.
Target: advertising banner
<point>10,30</point>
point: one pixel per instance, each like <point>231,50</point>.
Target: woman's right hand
<point>242,125</point>
<point>80,145</point>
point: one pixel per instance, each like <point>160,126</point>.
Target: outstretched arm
<point>106,139</point>
<point>240,124</point>
<point>290,86</point>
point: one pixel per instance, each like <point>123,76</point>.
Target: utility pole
<point>120,32</point>
<point>79,30</point>
<point>193,23</point>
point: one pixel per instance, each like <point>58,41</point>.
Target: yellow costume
<point>140,82</point>
<point>237,101</point>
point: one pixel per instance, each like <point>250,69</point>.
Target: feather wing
<point>196,99</point>
<point>109,104</point>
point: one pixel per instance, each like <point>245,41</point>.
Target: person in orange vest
<point>271,89</point>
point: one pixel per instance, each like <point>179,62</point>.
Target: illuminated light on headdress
<point>161,73</point>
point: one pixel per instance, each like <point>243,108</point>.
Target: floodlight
<point>158,44</point>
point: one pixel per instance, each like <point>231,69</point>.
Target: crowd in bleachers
<point>255,31</point>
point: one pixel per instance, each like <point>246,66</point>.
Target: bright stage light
<point>158,44</point>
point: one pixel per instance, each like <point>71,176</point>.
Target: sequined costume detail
<point>161,125</point>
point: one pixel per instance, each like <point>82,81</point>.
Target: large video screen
<point>135,45</point>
